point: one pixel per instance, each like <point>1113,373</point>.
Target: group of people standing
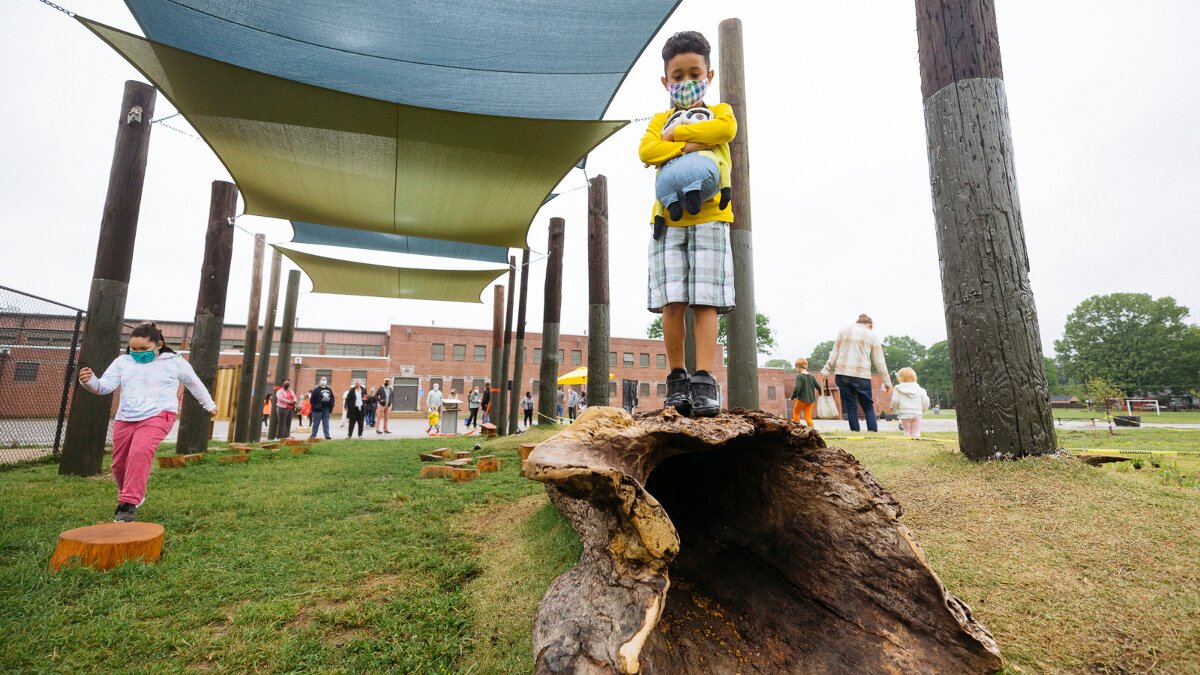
<point>856,348</point>
<point>361,407</point>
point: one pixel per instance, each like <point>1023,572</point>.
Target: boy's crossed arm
<point>720,129</point>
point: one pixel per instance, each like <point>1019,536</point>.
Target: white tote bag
<point>826,406</point>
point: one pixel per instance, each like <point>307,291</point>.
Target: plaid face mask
<point>687,93</point>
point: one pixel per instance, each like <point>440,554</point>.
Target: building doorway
<point>405,392</point>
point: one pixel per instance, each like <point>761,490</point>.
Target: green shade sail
<point>324,235</point>
<point>301,152</point>
<point>345,277</point>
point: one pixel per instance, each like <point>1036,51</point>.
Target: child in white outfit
<point>909,400</point>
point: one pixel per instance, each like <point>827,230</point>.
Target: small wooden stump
<point>444,453</point>
<point>457,462</point>
<point>241,447</point>
<point>489,429</point>
<point>195,458</point>
<point>436,471</point>
<point>170,461</point>
<point>524,449</point>
<point>463,475</point>
<point>431,457</point>
<point>488,464</point>
<point>463,454</point>
<point>316,439</point>
<point>107,545</point>
<point>270,446</point>
<point>301,449</point>
<point>293,442</point>
<point>234,459</point>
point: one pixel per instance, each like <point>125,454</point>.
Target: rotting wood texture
<point>740,543</point>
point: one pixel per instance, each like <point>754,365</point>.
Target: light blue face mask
<point>143,357</point>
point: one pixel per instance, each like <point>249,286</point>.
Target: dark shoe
<point>126,513</point>
<point>378,431</point>
<point>726,197</point>
<point>704,395</point>
<point>691,201</point>
<point>675,210</point>
<point>678,386</point>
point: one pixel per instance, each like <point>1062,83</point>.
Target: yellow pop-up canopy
<point>579,376</point>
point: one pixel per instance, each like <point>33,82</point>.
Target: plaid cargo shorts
<point>694,265</point>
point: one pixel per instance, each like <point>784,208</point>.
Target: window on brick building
<point>480,352</point>
<point>661,389</point>
<point>336,349</point>
<point>26,371</point>
<point>561,357</point>
<point>327,374</point>
<point>55,338</point>
<point>644,389</point>
<point>627,358</point>
<point>360,375</point>
<point>460,352</point>
<point>612,358</point>
<point>644,360</point>
<point>771,393</point>
<point>537,354</point>
<point>660,360</point>
<point>439,352</point>
<point>577,357</point>
<point>457,384</point>
<point>233,345</point>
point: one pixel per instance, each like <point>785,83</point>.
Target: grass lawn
<point>1167,417</point>
<point>343,561</point>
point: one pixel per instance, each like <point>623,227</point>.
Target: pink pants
<point>134,444</point>
<point>911,426</point>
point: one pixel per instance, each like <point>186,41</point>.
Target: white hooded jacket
<point>909,399</point>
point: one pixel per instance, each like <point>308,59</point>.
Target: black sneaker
<point>691,201</point>
<point>126,513</point>
<point>704,395</point>
<point>678,386</point>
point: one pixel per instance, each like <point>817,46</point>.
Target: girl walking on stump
<point>148,374</point>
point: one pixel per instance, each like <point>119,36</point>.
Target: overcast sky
<point>1104,104</point>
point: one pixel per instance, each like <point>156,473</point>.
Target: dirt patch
<point>307,615</point>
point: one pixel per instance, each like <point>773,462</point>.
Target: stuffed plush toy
<point>693,178</point>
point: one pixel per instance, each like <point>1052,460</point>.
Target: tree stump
<point>463,454</point>
<point>436,471</point>
<point>234,459</point>
<point>463,474</point>
<point>489,429</point>
<point>170,461</point>
<point>487,464</point>
<point>524,449</point>
<point>106,545</point>
<point>740,543</point>
<point>195,457</point>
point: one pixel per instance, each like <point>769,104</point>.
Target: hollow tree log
<point>740,543</point>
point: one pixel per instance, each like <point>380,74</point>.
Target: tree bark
<point>246,412</point>
<point>261,389</point>
<point>283,367</point>
<point>551,316</point>
<point>996,361</point>
<point>740,543</point>
<point>501,420</point>
<point>514,397</point>
<point>598,309</point>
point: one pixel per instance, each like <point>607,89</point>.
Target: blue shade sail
<point>326,235</point>
<point>553,59</point>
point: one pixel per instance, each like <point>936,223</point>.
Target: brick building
<point>413,357</point>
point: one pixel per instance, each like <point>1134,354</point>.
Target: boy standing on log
<point>691,262</point>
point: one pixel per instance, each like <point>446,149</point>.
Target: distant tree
<point>934,372</point>
<point>820,355</point>
<point>765,335</point>
<point>901,351</point>
<point>780,363</point>
<point>1131,340</point>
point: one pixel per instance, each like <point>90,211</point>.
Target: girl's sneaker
<point>126,513</point>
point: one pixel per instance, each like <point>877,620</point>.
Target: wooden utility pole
<point>283,367</point>
<point>689,342</point>
<point>497,356</point>
<point>742,328</point>
<point>261,390</point>
<point>87,424</point>
<point>996,361</point>
<point>505,383</point>
<point>598,319</point>
<point>204,350</point>
<point>551,316</point>
<point>514,399</point>
<point>246,414</point>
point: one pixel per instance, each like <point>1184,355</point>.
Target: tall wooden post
<point>283,367</point>
<point>598,319</point>
<point>514,398</point>
<point>742,329</point>
<point>205,347</point>
<point>87,424</point>
<point>246,412</point>
<point>689,342</point>
<point>996,361</point>
<point>261,390</point>
<point>551,316</point>
<point>497,355</point>
<point>502,411</point>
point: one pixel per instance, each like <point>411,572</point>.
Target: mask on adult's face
<point>687,93</point>
<point>287,385</point>
<point>324,383</point>
<point>143,357</point>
